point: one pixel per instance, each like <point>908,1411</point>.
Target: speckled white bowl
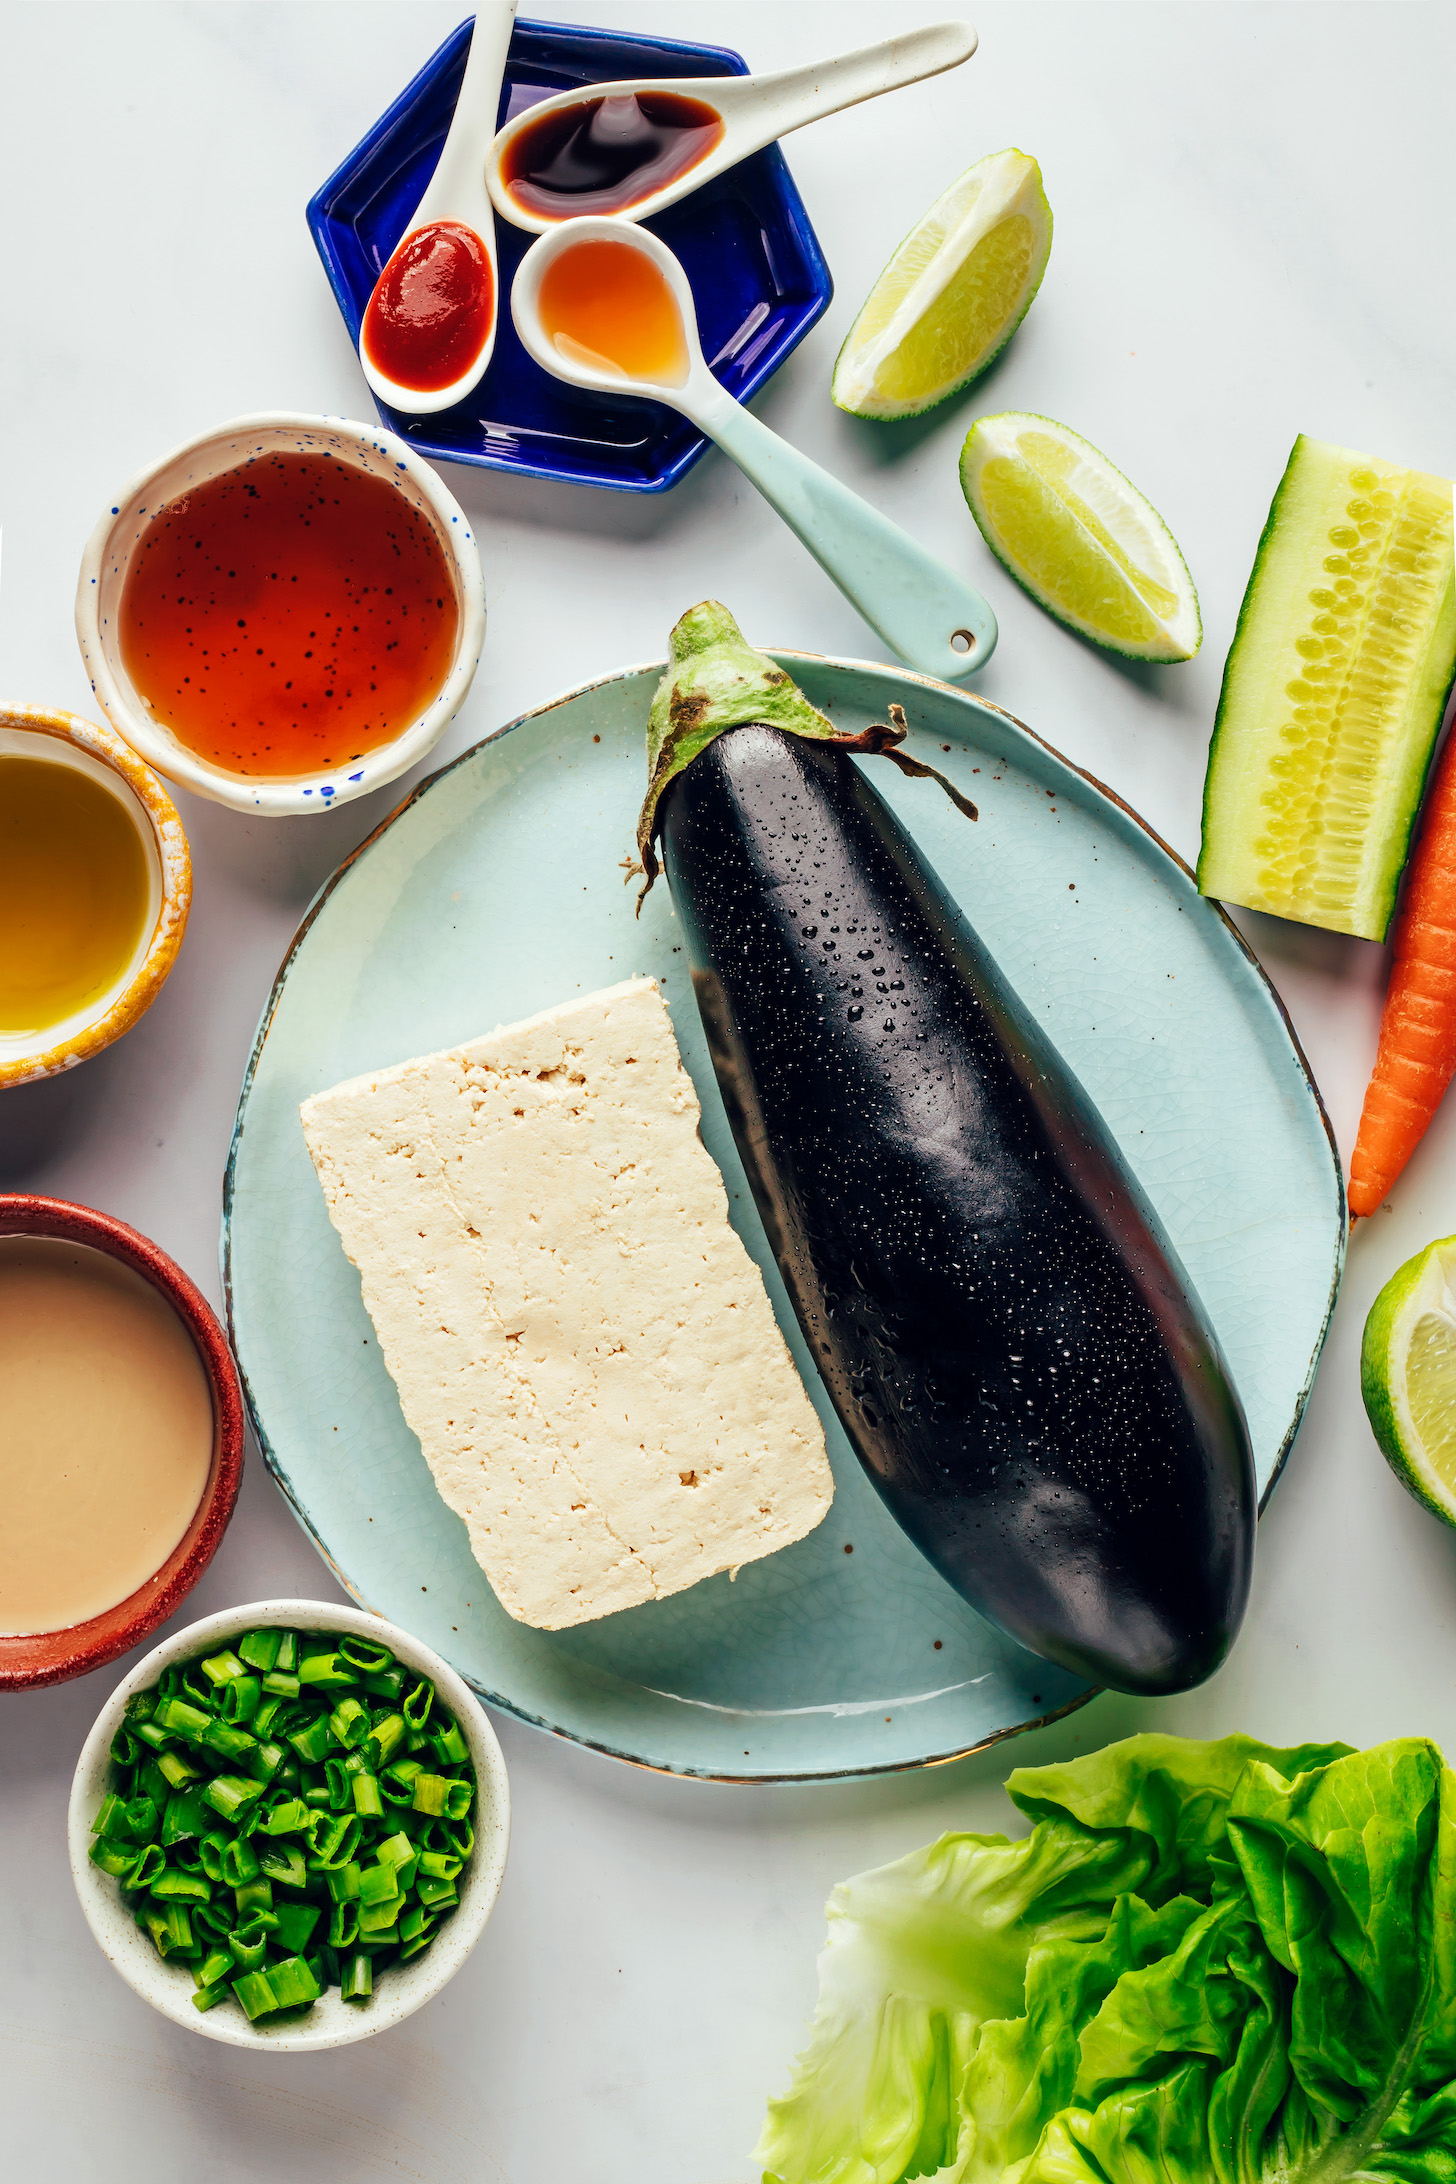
<point>402,1988</point>
<point>118,532</point>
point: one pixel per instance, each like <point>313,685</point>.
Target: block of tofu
<point>580,1341</point>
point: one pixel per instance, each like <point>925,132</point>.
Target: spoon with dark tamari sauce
<point>628,149</point>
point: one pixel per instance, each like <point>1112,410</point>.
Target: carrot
<point>1416,1057</point>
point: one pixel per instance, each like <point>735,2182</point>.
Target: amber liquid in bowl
<point>106,1433</point>
<point>74,894</point>
<point>289,616</point>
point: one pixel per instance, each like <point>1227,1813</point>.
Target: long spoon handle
<point>930,617</point>
<point>457,185</point>
<point>797,95</point>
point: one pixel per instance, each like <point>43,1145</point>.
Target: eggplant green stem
<point>715,680</point>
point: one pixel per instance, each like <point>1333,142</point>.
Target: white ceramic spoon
<point>457,193</point>
<point>755,110</point>
<point>933,619</point>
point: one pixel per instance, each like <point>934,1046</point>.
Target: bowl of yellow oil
<point>95,886</point>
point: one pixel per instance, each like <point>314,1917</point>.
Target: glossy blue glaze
<point>758,275</point>
<point>497,891</point>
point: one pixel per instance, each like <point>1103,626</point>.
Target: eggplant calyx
<point>715,680</point>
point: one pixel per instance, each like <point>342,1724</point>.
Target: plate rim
<point>275,1467</point>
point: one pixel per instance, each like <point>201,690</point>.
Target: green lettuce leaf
<point>1207,1964</point>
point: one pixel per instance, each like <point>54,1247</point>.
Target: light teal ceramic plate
<point>498,890</point>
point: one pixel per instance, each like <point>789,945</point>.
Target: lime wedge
<point>953,294</point>
<point>1408,1375</point>
<point>1079,537</point>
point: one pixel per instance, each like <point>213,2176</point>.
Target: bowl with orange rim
<point>95,887</point>
<point>283,613</point>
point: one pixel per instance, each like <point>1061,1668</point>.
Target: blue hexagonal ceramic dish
<point>758,275</point>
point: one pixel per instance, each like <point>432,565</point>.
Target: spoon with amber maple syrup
<point>603,304</point>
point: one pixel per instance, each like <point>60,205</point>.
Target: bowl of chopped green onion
<point>289,1824</point>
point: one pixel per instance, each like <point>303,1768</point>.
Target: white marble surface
<point>1253,238</point>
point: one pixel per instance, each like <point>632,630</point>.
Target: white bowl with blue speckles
<point>402,1988</point>
<point>121,528</point>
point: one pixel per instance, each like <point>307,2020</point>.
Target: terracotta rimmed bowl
<point>232,446</point>
<point>54,1656</point>
<point>402,1988</point>
<point>64,739</point>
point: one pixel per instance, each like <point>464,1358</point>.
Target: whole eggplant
<point>1006,1334</point>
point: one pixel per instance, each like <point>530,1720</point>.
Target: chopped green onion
<point>181,1719</point>
<point>112,1857</point>
<point>188,1813</point>
<point>440,1865</point>
<point>249,1941</point>
<point>398,1782</point>
<point>327,1672</point>
<point>146,1868</point>
<point>296,1922</point>
<point>187,1887</point>
<point>379,1923</point>
<point>240,1863</point>
<point>384,1740</point>
<point>267,1714</point>
<point>415,1922</point>
<point>290,1816</point>
<point>336,1843</point>
<point>388,1684</point>
<point>231,1794</point>
<point>431,1793</point>
<point>336,1814</point>
<point>436,1893</point>
<point>177,1771</point>
<point>170,1929</point>
<point>450,1746</point>
<point>324,1965</point>
<point>220,1668</point>
<point>312,1742</point>
<point>260,1649</point>
<point>254,1896</point>
<point>344,1926</point>
<point>238,1701</point>
<point>378,1884</point>
<point>417,1705</point>
<point>283,1862</point>
<point>264,1762</point>
<point>231,1743</point>
<point>255,1994</point>
<point>367,1800</point>
<point>349,1723</point>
